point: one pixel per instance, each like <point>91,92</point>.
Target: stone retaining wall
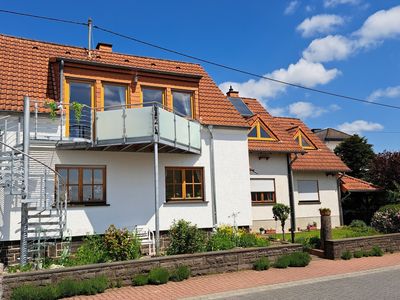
<point>199,263</point>
<point>387,242</point>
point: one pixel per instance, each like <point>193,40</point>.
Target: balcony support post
<point>156,179</point>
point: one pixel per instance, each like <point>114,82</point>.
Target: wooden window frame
<point>183,184</point>
<point>258,125</point>
<point>309,201</point>
<point>102,96</point>
<point>300,134</point>
<point>80,184</point>
<point>191,101</point>
<point>263,201</point>
<point>158,88</point>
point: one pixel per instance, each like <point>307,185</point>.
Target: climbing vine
<point>52,105</point>
<point>77,108</point>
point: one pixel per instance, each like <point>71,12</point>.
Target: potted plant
<point>262,230</point>
<point>270,231</point>
<point>325,211</point>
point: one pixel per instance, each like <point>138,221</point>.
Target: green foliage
<point>387,219</point>
<point>18,268</point>
<point>180,273</point>
<point>357,154</point>
<point>247,240</point>
<point>261,264</point>
<point>384,171</point>
<point>30,292</point>
<point>52,105</point>
<point>121,244</point>
<point>77,108</point>
<point>358,224</point>
<point>281,212</point>
<point>376,251</point>
<point>282,262</point>
<point>358,253</point>
<point>158,276</point>
<point>346,255</point>
<point>185,238</point>
<point>139,280</point>
<point>299,259</point>
<point>324,211</point>
<point>221,240</point>
<point>91,251</point>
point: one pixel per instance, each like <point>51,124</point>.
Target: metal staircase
<point>37,189</point>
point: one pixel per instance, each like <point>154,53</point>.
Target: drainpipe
<point>61,98</point>
<point>212,170</point>
<point>291,195</point>
<point>340,199</point>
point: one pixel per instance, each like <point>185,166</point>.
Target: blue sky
<point>345,46</point>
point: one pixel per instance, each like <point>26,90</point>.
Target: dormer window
<point>303,140</point>
<point>182,103</point>
<point>260,132</point>
<point>151,96</point>
<point>115,96</point>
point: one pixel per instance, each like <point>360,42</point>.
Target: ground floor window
<point>262,191</point>
<point>308,190</point>
<point>85,184</point>
<point>183,183</point>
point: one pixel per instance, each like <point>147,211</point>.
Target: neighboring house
<point>149,142</point>
<point>331,137</point>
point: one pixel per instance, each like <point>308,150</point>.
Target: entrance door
<point>80,92</point>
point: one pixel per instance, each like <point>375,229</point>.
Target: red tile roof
<point>285,142</point>
<point>25,69</point>
<point>352,184</point>
<point>321,159</point>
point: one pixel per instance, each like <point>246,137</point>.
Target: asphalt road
<point>377,285</point>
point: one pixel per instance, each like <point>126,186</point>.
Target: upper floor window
<point>260,132</point>
<point>152,96</point>
<point>184,184</point>
<point>183,103</point>
<point>115,96</point>
<point>303,140</point>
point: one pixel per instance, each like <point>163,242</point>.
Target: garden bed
<point>122,272</point>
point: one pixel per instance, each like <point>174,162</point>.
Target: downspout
<point>291,195</point>
<point>212,171</point>
<point>61,99</point>
<point>340,199</point>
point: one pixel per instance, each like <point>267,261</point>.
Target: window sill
<point>86,204</point>
<point>309,202</point>
<point>172,202</point>
<point>262,203</point>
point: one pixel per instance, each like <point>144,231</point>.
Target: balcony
<point>123,128</point>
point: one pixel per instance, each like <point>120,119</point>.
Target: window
<point>240,106</point>
<point>115,96</point>
<point>184,184</point>
<point>85,184</point>
<point>80,92</point>
<point>152,96</point>
<point>262,191</point>
<point>260,132</point>
<point>182,103</point>
<point>303,140</point>
<point>308,190</point>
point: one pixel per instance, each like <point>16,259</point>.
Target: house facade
<point>132,141</point>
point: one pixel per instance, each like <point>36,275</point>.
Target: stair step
<point>43,223</point>
<point>44,230</point>
<point>43,216</point>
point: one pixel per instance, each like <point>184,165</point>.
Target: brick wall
<point>199,263</point>
<point>387,242</point>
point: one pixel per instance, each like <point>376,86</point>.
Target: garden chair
<point>146,237</point>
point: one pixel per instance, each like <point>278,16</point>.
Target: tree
<point>357,154</point>
<point>384,171</point>
<point>281,212</point>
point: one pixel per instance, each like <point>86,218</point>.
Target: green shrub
<point>387,219</point>
<point>282,262</point>
<point>180,273</point>
<point>358,224</point>
<point>358,253</point>
<point>247,240</point>
<point>185,238</point>
<point>299,259</point>
<point>221,240</point>
<point>68,287</point>
<point>30,292</point>
<point>158,276</point>
<point>376,251</point>
<point>261,264</point>
<point>140,280</point>
<point>121,244</point>
<point>313,242</point>
<point>91,251</point>
<point>346,255</point>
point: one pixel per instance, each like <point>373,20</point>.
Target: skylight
<point>240,106</point>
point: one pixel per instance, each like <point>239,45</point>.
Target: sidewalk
<point>210,284</point>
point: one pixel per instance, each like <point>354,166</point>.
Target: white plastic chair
<point>146,237</point>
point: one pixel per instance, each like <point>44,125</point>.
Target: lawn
<point>337,233</point>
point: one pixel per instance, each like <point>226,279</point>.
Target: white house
<point>144,141</point>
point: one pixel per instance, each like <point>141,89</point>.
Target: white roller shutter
<point>308,190</point>
<point>262,185</point>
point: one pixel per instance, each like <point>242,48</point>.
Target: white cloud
<point>359,126</point>
<point>291,8</point>
<point>389,92</point>
<point>329,48</point>
<point>334,107</point>
<point>303,72</point>
<point>383,24</point>
<point>333,3</point>
<point>277,111</point>
<point>305,110</point>
<point>309,8</point>
<point>319,24</point>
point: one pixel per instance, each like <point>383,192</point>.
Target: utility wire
<point>204,60</point>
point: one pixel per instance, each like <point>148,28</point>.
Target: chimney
<point>232,93</point>
<point>104,47</point>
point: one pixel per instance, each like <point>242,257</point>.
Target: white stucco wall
<point>130,189</point>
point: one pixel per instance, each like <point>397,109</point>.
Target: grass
<point>337,233</point>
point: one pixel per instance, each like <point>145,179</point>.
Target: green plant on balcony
<point>77,108</point>
<point>52,105</point>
